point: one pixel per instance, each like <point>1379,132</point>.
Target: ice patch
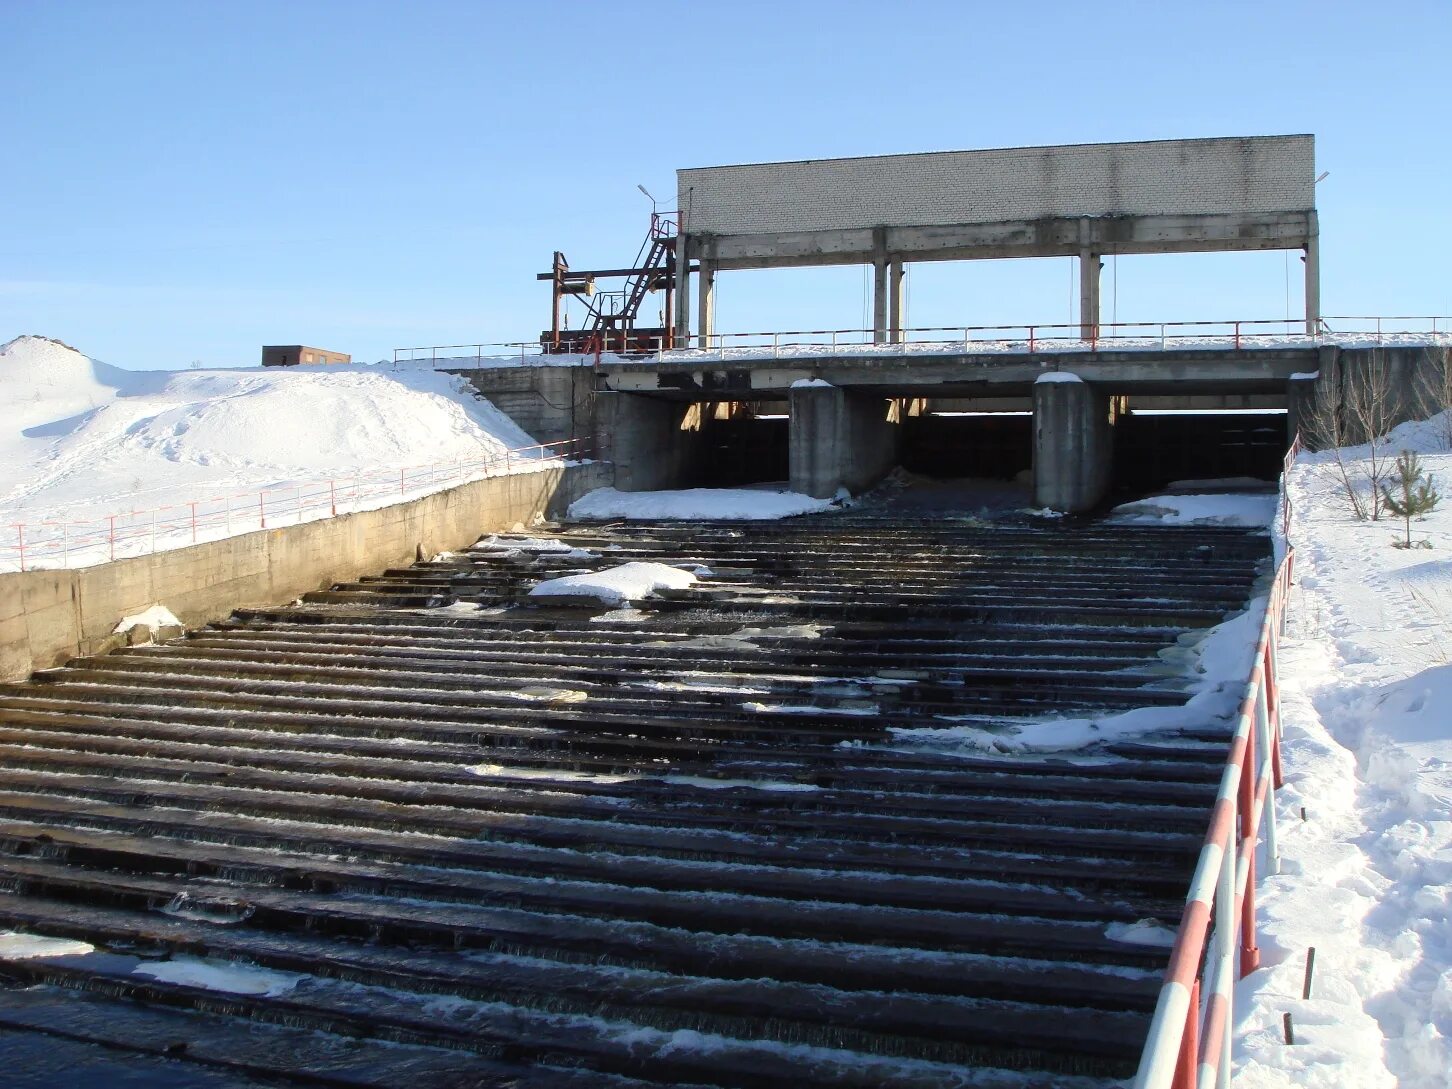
<point>220,975</point>
<point>17,946</point>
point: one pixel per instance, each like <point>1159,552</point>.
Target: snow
<point>81,441</point>
<point>1051,377</point>
<point>1143,932</point>
<point>1214,663</point>
<point>15,945</point>
<point>154,617</point>
<point>811,383</point>
<point>615,586</point>
<point>692,504</point>
<point>1366,878</point>
<point>218,975</point>
<point>1228,509</point>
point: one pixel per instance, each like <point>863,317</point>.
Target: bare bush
<point>1360,412</point>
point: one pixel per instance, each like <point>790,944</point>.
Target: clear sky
<point>188,181</point>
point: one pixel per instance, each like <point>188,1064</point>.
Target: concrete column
<point>1088,294</point>
<point>879,301</point>
<point>839,439</point>
<point>645,439</point>
<point>1073,445</point>
<point>1312,257</point>
<point>706,287</point>
<point>1301,393</point>
<point>897,302</point>
<point>683,292</point>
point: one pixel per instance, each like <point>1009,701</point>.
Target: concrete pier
<point>839,439</point>
<point>653,442</point>
<point>1073,443</point>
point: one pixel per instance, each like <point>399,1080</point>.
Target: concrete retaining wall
<point>47,617</point>
<point>550,403</point>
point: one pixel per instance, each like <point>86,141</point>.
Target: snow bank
<point>1366,878</point>
<point>616,586</point>
<point>80,440</point>
<point>1050,377</point>
<point>1200,510</point>
<point>696,503</point>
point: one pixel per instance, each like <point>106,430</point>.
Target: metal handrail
<point>1048,336</point>
<point>57,543</point>
<point>1188,1045</point>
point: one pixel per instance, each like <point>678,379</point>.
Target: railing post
<point>193,505</point>
<point>262,510</point>
<point>111,535</point>
<point>20,532</point>
<point>332,499</point>
<point>1032,334</point>
<point>1225,928</point>
<point>1189,1043</point>
<point>66,545</point>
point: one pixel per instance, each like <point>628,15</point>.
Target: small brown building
<point>290,355</point>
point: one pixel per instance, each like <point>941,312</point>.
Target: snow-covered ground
<point>1366,675</point>
<point>81,442</point>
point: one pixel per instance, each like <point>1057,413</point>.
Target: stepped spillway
<point>430,828</point>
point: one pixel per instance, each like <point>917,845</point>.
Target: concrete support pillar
<point>839,439</point>
<point>706,290</point>
<point>897,301</point>
<point>683,293</point>
<point>1073,444</point>
<point>1088,294</point>
<point>880,279</point>
<point>653,443</point>
<point>1312,257</point>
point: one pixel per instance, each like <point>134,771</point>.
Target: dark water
<point>34,1061</point>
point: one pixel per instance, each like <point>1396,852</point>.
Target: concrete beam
<point>1073,445</point>
<point>839,439</point>
<point>1061,237</point>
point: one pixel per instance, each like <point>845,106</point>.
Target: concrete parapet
<point>549,403</point>
<point>839,439</point>
<point>49,616</point>
<point>1073,444</point>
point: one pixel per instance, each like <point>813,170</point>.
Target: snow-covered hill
<point>1366,675</point>
<point>81,440</point>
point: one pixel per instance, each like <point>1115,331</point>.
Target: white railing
<point>60,543</point>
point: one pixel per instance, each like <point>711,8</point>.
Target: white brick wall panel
<point>1231,176</point>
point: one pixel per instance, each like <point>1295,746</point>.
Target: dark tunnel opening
<point>744,443</point>
<point>951,445</point>
<point>1155,449</point>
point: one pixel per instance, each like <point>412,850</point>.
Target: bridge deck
<point>579,847</point>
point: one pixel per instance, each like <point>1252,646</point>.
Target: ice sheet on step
<point>615,586</point>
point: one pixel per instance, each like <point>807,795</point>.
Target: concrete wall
<point>1403,383</point>
<point>1231,176</point>
<point>550,403</point>
<point>839,439</point>
<point>49,616</point>
<point>1073,445</point>
<point>653,443</point>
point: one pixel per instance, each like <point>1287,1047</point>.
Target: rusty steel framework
<point>610,316</point>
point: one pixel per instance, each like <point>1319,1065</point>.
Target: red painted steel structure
<point>1189,1039</point>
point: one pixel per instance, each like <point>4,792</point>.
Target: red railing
<point>1045,337</point>
<point>64,543</point>
<point>1190,1035</point>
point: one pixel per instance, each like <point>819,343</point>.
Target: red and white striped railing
<point>1189,1038</point>
<point>60,543</point>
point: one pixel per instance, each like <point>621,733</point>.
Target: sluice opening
<point>1154,449</point>
<point>743,442</point>
<point>950,441</point>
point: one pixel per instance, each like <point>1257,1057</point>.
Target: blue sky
<point>188,181</point>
